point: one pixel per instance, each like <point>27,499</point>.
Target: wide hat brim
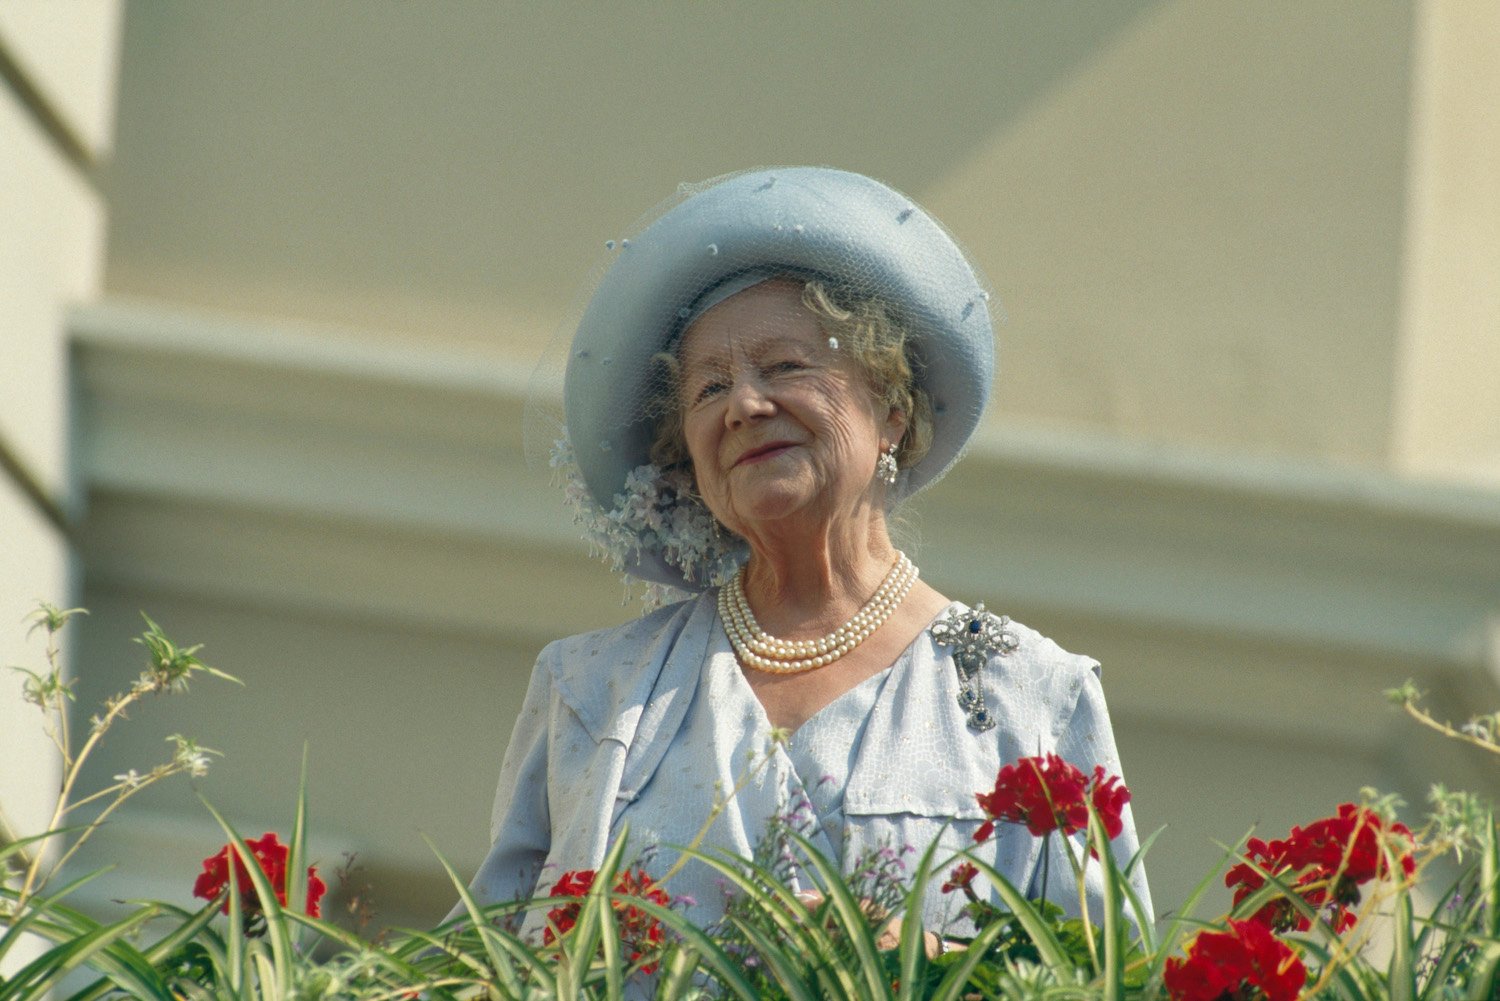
<point>849,228</point>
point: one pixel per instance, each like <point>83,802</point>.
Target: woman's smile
<point>761,453</point>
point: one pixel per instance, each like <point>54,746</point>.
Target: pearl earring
<point>885,466</point>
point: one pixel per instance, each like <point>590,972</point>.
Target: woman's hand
<point>889,936</point>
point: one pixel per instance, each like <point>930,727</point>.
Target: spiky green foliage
<point>773,944</point>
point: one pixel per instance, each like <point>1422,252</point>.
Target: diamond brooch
<point>974,635</point>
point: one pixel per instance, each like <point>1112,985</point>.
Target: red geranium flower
<point>1278,915</point>
<point>1048,794</point>
<point>638,930</point>
<point>271,855</point>
<point>1245,962</point>
<point>960,877</point>
<point>1330,860</point>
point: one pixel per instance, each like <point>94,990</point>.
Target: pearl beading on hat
<point>759,650</point>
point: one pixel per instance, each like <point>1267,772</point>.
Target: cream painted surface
<point>49,259</point>
<point>69,51</point>
<point>1197,237</point>
<point>1447,412</point>
<point>33,566</point>
<point>447,170</point>
<point>50,250</point>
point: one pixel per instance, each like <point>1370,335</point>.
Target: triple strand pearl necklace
<point>764,652</point>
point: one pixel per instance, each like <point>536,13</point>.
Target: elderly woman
<point>763,372</point>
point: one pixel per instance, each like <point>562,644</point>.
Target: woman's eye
<point>708,390</point>
<point>787,365</point>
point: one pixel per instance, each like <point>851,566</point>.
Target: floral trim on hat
<point>657,513</point>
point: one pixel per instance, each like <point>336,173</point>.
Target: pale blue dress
<point>648,725</point>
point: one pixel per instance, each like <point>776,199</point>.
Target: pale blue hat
<point>855,231</point>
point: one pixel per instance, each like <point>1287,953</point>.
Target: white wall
<point>56,110</point>
<point>1447,418</point>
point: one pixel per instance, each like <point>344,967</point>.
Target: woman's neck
<point>806,583</point>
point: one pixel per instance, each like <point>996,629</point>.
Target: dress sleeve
<point>1086,740</point>
<point>520,824</point>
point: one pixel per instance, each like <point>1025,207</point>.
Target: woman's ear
<point>895,425</point>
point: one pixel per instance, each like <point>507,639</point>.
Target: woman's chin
<point>768,505</point>
<point>771,507</point>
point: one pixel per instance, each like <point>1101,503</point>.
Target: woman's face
<point>777,422</point>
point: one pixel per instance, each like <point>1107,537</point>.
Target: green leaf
<point>192,924</point>
<point>1489,879</point>
<point>957,978</point>
<point>1115,947</point>
<point>1402,977</point>
<point>609,933</point>
<point>496,945</point>
<point>726,969</point>
<point>50,617</point>
<point>296,863</point>
<point>595,923</point>
<point>1458,939</point>
<point>278,932</point>
<point>19,845</point>
<point>803,933</point>
<point>853,921</point>
<point>43,973</point>
<point>1048,947</point>
<point>772,953</point>
<point>913,954</point>
<point>1142,920</point>
<point>1481,982</point>
<point>1168,942</point>
<point>1465,955</point>
<point>677,968</point>
<point>40,907</point>
<point>1354,975</point>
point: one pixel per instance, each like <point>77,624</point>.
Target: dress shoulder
<point>581,646</point>
<point>606,675</point>
<point>1044,654</point>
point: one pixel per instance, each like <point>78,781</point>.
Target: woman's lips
<point>763,452</point>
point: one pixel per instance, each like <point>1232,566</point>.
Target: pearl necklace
<point>763,652</point>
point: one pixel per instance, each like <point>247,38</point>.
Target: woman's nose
<point>747,402</point>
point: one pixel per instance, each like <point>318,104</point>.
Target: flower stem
<point>1046,863</point>
<point>94,824</point>
<point>1080,880</point>
<point>1419,714</point>
<point>73,768</point>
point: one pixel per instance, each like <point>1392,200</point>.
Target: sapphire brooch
<point>974,635</point>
